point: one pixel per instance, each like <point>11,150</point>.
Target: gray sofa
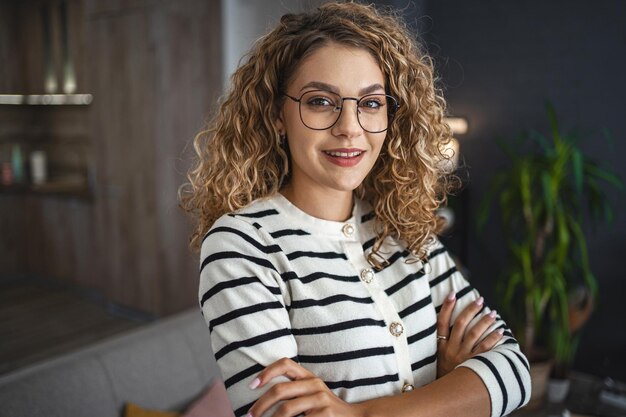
<point>164,366</point>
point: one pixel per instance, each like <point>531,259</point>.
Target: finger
<point>285,391</point>
<point>445,314</point>
<point>461,322</point>
<point>489,342</point>
<point>300,406</point>
<point>477,331</point>
<point>282,367</point>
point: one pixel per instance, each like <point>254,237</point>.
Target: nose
<point>348,123</point>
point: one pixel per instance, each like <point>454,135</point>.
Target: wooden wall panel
<point>180,116</point>
<point>156,75</point>
<point>124,155</point>
<point>12,243</point>
<point>60,233</point>
<point>10,75</point>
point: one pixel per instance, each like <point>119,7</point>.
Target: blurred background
<point>101,100</point>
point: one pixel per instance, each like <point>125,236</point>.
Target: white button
<point>367,275</point>
<point>407,387</point>
<point>348,229</point>
<point>396,328</point>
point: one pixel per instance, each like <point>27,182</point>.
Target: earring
<point>281,138</point>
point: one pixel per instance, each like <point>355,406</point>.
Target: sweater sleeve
<point>504,370</point>
<point>243,305</point>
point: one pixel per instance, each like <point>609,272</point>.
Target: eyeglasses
<point>320,110</point>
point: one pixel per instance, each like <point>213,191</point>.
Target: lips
<point>343,154</point>
<point>344,157</point>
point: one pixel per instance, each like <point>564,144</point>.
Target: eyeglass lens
<point>321,109</point>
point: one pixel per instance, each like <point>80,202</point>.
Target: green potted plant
<point>545,197</point>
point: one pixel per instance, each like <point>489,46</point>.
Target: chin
<point>351,186</point>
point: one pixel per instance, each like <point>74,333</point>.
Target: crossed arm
<point>475,377</point>
<point>458,392</point>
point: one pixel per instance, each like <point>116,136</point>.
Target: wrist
<point>376,407</point>
<point>362,409</point>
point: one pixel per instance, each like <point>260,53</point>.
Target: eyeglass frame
<point>391,114</point>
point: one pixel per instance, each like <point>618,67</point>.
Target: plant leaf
<point>605,175</point>
<point>548,194</point>
<point>542,141</point>
<point>485,205</point>
<point>526,194</point>
<point>554,125</point>
<point>577,168</point>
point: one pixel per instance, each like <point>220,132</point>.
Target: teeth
<point>344,154</point>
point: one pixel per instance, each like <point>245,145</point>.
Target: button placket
<point>356,256</point>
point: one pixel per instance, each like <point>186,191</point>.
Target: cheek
<point>379,143</point>
<point>291,118</point>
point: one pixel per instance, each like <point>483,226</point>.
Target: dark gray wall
<point>499,61</point>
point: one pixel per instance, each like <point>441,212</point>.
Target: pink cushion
<point>213,403</point>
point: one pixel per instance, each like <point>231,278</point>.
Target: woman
<point>323,285</point>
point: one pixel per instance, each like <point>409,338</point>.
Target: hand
<point>304,394</point>
<point>459,345</point>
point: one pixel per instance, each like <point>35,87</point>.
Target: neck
<point>331,205</point>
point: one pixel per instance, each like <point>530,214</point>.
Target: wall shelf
<point>46,99</point>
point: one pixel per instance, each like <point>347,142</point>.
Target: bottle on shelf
<point>38,171</point>
<point>17,164</point>
<point>7,174</point>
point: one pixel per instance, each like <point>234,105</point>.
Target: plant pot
<point>558,390</point>
<point>539,374</point>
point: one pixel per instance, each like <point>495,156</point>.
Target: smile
<point>343,154</point>
<point>344,157</point>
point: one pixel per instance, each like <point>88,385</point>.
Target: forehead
<point>349,69</point>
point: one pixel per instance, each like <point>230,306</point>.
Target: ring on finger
<point>440,337</point>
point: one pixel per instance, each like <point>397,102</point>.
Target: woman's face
<point>340,157</point>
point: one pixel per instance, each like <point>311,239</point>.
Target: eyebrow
<point>323,86</point>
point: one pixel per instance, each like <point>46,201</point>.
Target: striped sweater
<point>276,282</point>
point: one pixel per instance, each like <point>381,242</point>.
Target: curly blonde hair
<point>241,157</point>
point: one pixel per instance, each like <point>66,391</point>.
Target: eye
<point>372,102</point>
<point>320,101</point>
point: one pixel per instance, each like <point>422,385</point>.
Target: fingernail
<point>248,415</point>
<point>500,331</point>
<point>451,296</point>
<point>255,383</point>
<point>480,301</point>
<point>493,313</point>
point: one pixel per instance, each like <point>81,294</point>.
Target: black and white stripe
<point>276,283</point>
